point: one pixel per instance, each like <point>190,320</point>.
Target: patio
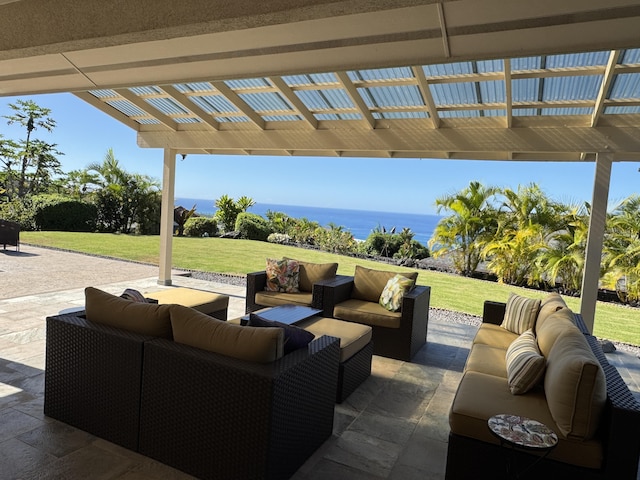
<point>394,426</point>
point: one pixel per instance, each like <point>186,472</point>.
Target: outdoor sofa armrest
<point>234,418</point>
<point>256,281</point>
<point>493,312</point>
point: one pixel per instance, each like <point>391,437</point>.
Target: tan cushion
<point>144,318</point>
<point>555,324</point>
<point>273,299</point>
<point>201,300</point>
<point>525,364</point>
<point>486,359</point>
<point>480,396</point>
<point>368,284</point>
<point>311,273</point>
<point>549,305</point>
<point>494,335</point>
<point>575,386</point>
<point>353,336</point>
<point>520,313</point>
<point>254,344</point>
<point>369,313</point>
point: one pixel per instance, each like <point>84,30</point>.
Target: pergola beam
<point>293,99</point>
<point>352,91</point>
<point>425,91</point>
<point>240,104</point>
<point>183,100</point>
<point>147,108</point>
<point>607,80</point>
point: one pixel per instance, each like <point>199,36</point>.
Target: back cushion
<point>549,305</point>
<point>368,284</point>
<point>144,318</point>
<point>554,325</point>
<point>575,386</point>
<point>254,344</point>
<point>311,273</point>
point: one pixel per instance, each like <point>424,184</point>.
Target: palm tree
<point>462,234</point>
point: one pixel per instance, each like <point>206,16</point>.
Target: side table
<point>515,431</point>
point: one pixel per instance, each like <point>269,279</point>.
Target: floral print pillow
<point>282,276</point>
<point>394,290</point>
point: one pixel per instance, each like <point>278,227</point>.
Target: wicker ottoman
<point>213,304</point>
<point>356,350</point>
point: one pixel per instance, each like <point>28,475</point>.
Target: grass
<point>448,291</point>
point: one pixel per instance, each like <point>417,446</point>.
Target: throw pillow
<point>368,284</point>
<point>525,364</point>
<point>282,276</point>
<point>143,318</point>
<point>520,314</point>
<point>294,337</point>
<point>394,290</point>
<point>133,295</point>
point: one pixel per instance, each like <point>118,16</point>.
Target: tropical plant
<point>253,227</point>
<point>201,227</point>
<point>334,239</point>
<point>180,217</point>
<point>229,209</point>
<point>471,224</point>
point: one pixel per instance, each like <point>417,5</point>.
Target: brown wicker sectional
<point>207,414</point>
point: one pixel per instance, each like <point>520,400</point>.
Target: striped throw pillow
<point>520,314</point>
<point>525,365</point>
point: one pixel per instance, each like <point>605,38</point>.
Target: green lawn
<point>220,255</point>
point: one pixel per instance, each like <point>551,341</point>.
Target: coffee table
<point>287,314</point>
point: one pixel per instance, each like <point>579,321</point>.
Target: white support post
<point>593,254</point>
<point>166,216</point>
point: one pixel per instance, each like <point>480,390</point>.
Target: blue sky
<point>84,134</point>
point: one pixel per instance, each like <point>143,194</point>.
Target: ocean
<point>359,222</point>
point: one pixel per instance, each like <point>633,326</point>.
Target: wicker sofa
<point>209,414</point>
<point>580,396</point>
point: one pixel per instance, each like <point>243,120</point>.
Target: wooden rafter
<point>293,99</point>
<point>147,108</point>
<point>352,91</point>
<point>240,104</point>
<point>108,109</point>
<point>425,91</point>
<point>183,100</point>
<point>607,80</point>
<point>508,95</point>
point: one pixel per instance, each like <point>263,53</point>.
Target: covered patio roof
<point>453,79</point>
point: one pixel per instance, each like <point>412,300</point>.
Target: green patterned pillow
<point>282,276</point>
<point>394,290</point>
<point>520,314</point>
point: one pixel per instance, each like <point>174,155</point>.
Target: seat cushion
<point>487,359</point>
<point>144,318</point>
<point>368,284</point>
<point>494,335</point>
<point>575,385</point>
<point>311,273</point>
<point>353,336</point>
<point>254,344</point>
<point>369,313</point>
<point>273,299</point>
<point>201,300</point>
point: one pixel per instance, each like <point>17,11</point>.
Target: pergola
<point>454,79</point>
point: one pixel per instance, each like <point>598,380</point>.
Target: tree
<point>463,234</point>
<point>229,209</point>
<point>29,165</point>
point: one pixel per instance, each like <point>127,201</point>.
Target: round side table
<point>515,431</point>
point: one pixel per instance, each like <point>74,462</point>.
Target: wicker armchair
<point>401,343</point>
<point>9,234</point>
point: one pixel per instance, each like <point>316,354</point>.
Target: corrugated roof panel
<point>526,63</point>
<point>524,112</point>
<point>400,96</point>
<point>281,118</point>
<point>454,93</point>
<point>187,120</point>
<point>168,106</point>
<point>311,79</point>
<point>621,110</point>
<point>495,113</point>
<point>337,98</point>
<point>150,90</point>
<point>215,104</point>
<point>459,114</point>
<point>194,87</point>
<point>247,83</point>
<point>582,87</point>
<point>327,116</point>
<point>626,85</point>
<point>492,91</point>
<point>242,119</point>
<point>566,111</point>
<point>127,108</point>
<point>104,93</point>
<point>313,99</point>
<point>381,74</point>
<point>570,60</point>
<point>401,115</point>
<point>445,69</point>
<point>349,116</point>
<point>148,121</point>
<point>631,56</point>
<point>266,101</point>
<point>525,89</point>
<point>489,66</point>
